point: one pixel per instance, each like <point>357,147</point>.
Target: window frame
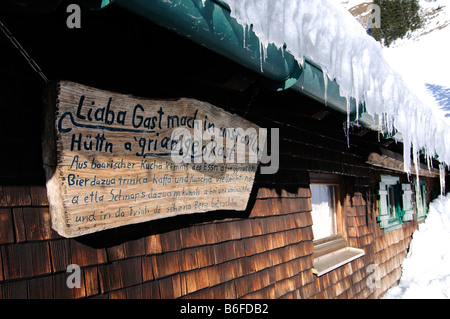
<point>403,203</point>
<point>333,252</point>
<point>422,208</point>
<point>336,181</point>
<point>386,220</point>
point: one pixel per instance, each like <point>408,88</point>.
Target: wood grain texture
<point>109,158</point>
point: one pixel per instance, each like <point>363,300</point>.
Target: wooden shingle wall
<point>263,252</point>
<point>389,249</point>
<point>260,256</point>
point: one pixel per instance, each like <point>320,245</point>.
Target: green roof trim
<point>209,23</point>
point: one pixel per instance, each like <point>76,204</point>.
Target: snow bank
<point>426,269</point>
<point>323,31</point>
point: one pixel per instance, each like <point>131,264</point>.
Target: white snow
<point>347,4</point>
<point>325,32</point>
<point>426,268</point>
<point>323,210</point>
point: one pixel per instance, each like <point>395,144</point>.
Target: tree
<point>398,17</point>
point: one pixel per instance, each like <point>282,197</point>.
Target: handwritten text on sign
<point>121,159</point>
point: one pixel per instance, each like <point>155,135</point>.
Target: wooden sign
<point>114,159</point>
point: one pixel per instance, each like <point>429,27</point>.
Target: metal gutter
<point>209,24</point>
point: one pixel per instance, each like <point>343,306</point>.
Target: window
<point>330,245</point>
<point>323,201</point>
<point>395,203</point>
<point>421,204</point>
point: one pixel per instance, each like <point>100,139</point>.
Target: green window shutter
<point>408,211</point>
<point>383,213</point>
<point>398,201</point>
<point>422,201</point>
<point>424,198</point>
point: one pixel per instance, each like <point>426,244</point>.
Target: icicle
<point>261,56</point>
<point>416,167</point>
<point>357,111</point>
<point>442,177</point>
<point>266,52</point>
<point>325,83</point>
<point>245,32</point>
<point>407,154</point>
<point>348,121</point>
<point>380,126</point>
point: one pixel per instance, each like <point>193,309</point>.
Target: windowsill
<point>421,218</point>
<point>333,254</point>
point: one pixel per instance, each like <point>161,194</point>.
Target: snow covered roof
<point>324,32</point>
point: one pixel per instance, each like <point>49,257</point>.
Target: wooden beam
<point>397,165</point>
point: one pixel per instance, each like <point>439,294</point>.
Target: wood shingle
<point>14,290</point>
<point>37,223</point>
<point>26,260</point>
<point>62,291</point>
<point>227,231</point>
<point>225,291</point>
<point>91,281</point>
<point>171,241</point>
<point>167,288</point>
<point>205,256</point>
<point>6,226</point>
<point>120,274</point>
<point>38,195</point>
<point>188,259</point>
<point>1,268</point>
<point>134,292</point>
<point>147,268</point>
<point>153,244</point>
<point>166,264</point>
<point>193,236</point>
<point>60,254</point>
<point>15,196</point>
<point>151,290</point>
<point>128,249</point>
<point>40,288</point>
<point>85,255</point>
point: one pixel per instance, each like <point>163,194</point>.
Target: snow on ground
<point>348,4</point>
<point>426,269</point>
